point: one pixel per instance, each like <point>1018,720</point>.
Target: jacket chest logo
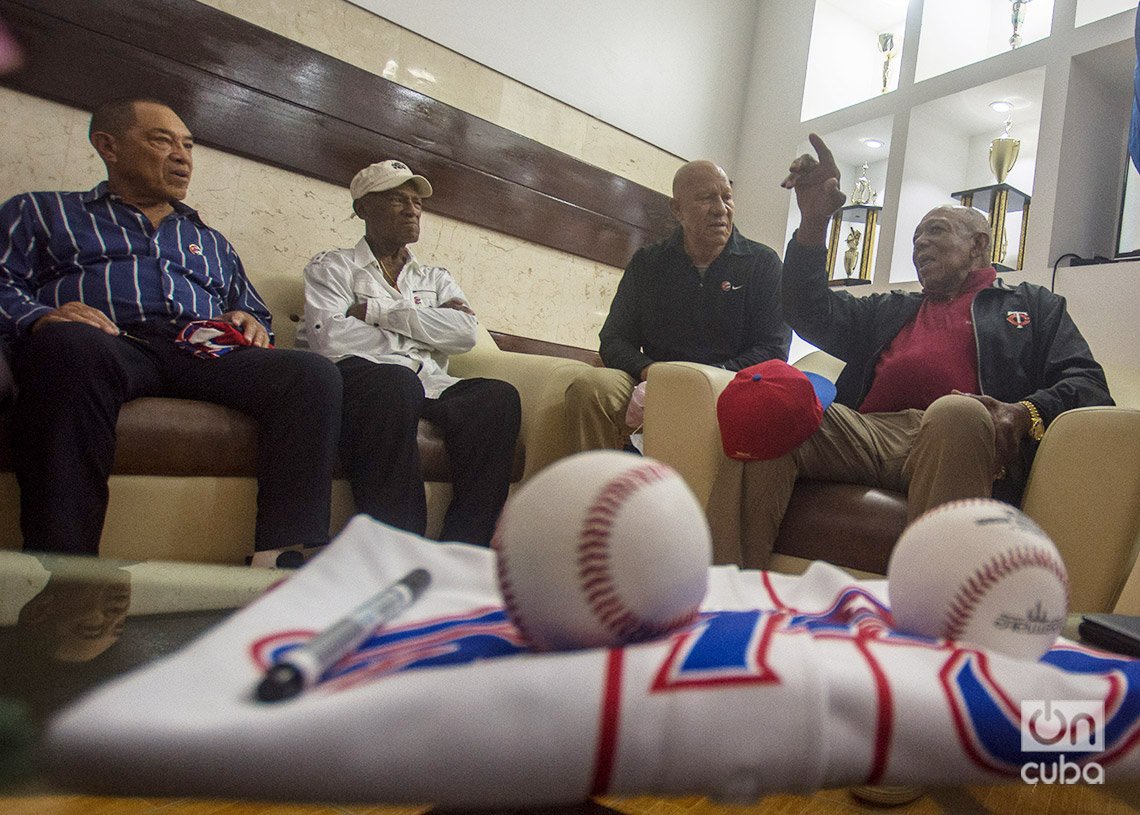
<point>1018,319</point>
<point>195,249</point>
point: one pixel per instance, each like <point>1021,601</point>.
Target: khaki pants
<point>942,454</point>
<point>596,402</point>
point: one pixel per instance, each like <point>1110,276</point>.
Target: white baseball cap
<point>386,175</point>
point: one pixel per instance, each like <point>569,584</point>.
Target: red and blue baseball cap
<point>770,409</point>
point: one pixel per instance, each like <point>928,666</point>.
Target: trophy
<point>887,49</point>
<point>862,194</point>
<point>1017,17</point>
<point>852,253</point>
<point>1003,153</point>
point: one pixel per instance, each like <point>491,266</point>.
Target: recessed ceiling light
<point>874,144</point>
<point>1002,106</point>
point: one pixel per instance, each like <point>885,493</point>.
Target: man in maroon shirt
<point>945,393</point>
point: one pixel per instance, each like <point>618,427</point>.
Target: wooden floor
<point>1001,800</point>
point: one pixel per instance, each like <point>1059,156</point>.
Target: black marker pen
<point>303,666</point>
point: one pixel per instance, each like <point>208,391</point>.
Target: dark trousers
<point>479,420</point>
<point>73,378</point>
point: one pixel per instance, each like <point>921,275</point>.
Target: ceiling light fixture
<point>1002,106</point>
<point>874,144</point>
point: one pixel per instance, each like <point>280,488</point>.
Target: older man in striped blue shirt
<point>95,288</point>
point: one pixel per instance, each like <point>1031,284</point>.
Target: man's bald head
<point>696,172</point>
<point>702,203</point>
<point>973,221</point>
<point>949,243</point>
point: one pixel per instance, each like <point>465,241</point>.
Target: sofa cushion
<point>186,437</point>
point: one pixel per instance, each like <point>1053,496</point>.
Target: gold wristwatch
<point>1036,426</point>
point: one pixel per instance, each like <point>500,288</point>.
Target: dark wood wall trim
<point>529,345</point>
<point>248,91</point>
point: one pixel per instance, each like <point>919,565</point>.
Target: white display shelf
<point>1089,11</point>
<point>947,149</point>
<point>1071,90</point>
<point>845,64</point>
<point>849,146</point>
<point>1092,146</point>
<point>956,33</point>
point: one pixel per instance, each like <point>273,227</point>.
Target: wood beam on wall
<point>245,90</point>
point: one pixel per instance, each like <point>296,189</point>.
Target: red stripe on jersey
<point>608,726</point>
<point>886,715</point>
<point>777,603</point>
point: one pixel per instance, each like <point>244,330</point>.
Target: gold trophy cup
<point>1003,153</point>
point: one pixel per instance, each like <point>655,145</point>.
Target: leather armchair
<point>184,484</point>
<point>1084,489</point>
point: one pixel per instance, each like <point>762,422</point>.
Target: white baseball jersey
<point>783,684</point>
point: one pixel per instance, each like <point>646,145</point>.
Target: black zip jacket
<point>663,311</point>
<point>1027,344</point>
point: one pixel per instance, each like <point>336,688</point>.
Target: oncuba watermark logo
<point>1073,727</point>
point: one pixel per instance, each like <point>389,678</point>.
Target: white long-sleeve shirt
<point>401,326</point>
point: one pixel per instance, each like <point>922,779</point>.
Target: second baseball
<point>982,572</point>
<point>601,549</point>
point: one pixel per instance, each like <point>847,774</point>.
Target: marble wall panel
<point>543,119</point>
<point>335,28</point>
<point>350,33</point>
<point>44,146</point>
<point>278,219</point>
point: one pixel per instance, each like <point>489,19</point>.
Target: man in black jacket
<point>946,392</point>
<point>705,294</point>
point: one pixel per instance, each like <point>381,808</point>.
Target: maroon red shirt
<point>933,355</point>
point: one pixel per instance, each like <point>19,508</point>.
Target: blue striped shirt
<point>57,247</point>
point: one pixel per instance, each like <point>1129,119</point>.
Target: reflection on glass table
<point>69,623</point>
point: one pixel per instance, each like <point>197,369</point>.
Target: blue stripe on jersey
<point>90,246</point>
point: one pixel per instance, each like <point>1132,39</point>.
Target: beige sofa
<point>1084,489</point>
<point>174,497</point>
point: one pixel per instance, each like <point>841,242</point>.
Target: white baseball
<point>979,571</point>
<point>600,549</point>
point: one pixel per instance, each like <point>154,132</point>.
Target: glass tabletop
<point>69,623</point>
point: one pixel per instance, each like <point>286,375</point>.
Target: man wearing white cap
<point>389,323</point>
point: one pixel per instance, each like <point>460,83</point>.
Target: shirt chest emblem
<point>727,286</point>
<point>195,249</point>
<point>1018,319</point>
